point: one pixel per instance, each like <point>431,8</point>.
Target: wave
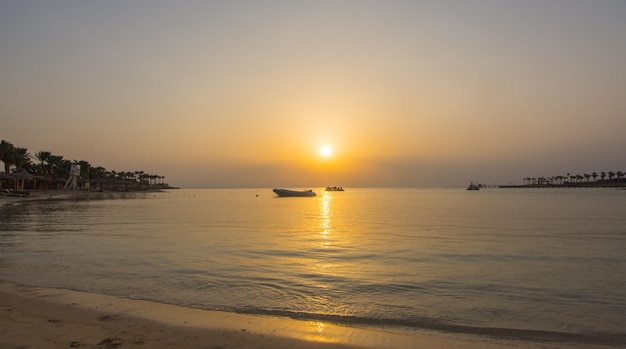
<point>617,340</point>
<point>595,338</point>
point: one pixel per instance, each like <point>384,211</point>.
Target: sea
<point>529,264</point>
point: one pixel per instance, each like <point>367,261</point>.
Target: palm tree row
<point>577,178</point>
<point>17,159</point>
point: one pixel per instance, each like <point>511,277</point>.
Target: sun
<point>325,151</point>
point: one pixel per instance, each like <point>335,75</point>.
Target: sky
<point>246,93</point>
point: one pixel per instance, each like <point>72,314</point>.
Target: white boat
<point>287,192</point>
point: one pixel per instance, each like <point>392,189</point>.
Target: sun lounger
<point>19,193</point>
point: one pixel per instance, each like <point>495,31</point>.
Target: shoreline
<point>60,194</point>
<point>35,317</point>
<point>59,318</point>
<point>56,318</point>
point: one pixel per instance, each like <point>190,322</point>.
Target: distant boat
<point>288,193</point>
<point>473,186</point>
<point>334,189</point>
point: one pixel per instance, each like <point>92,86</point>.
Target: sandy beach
<point>35,317</point>
<point>50,318</point>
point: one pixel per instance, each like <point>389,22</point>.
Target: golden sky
<point>241,93</point>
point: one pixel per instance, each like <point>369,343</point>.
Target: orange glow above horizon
<point>222,97</point>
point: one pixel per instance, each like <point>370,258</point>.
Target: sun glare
<point>325,151</point>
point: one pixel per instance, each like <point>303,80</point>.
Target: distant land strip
<point>614,183</point>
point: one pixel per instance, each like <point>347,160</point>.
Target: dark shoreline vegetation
<point>45,171</point>
<point>608,179</point>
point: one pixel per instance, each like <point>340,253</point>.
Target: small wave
<point>596,338</point>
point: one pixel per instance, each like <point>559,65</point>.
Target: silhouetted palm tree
<point>7,155</point>
<point>98,172</point>
<point>57,166</point>
<point>22,158</point>
<point>43,157</point>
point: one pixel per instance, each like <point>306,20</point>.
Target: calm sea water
<point>514,262</point>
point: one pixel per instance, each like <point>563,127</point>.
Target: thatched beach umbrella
<point>20,178</point>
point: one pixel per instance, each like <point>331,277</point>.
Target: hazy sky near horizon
<point>244,93</point>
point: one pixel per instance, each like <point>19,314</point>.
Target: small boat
<point>287,192</point>
<point>334,189</point>
<point>473,186</point>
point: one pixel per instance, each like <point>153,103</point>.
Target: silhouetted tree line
<point>48,165</point>
<point>578,179</point>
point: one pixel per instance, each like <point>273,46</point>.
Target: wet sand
<point>36,317</point>
<point>51,318</point>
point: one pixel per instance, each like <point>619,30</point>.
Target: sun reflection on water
<point>319,327</point>
<point>325,210</point>
<point>325,216</point>
<point>322,265</point>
